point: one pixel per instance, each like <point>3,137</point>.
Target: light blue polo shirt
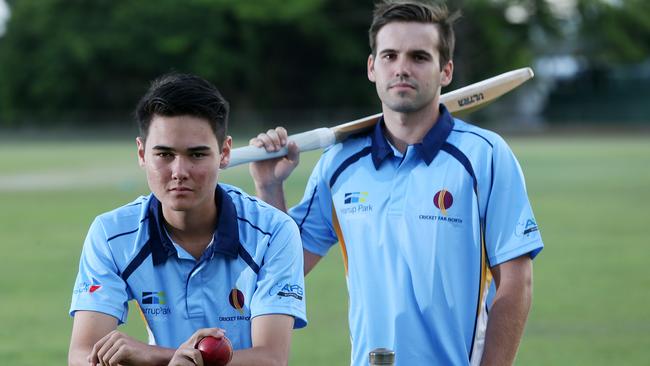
<point>253,267</point>
<point>419,232</point>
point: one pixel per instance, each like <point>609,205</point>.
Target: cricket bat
<point>467,98</point>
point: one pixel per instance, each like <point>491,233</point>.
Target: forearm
<point>273,195</point>
<point>506,325</point>
<point>258,356</point>
<point>159,355</point>
<point>78,358</point>
<point>147,355</point>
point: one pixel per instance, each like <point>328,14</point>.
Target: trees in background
<point>75,60</point>
<point>614,31</point>
<point>62,59</point>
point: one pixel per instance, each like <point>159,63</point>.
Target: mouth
<point>401,85</point>
<point>180,189</point>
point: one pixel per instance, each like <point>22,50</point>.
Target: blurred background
<point>83,64</point>
<point>71,72</point>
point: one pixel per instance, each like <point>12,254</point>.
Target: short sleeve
<point>314,213</point>
<point>280,282</point>
<point>511,228</point>
<point>98,286</point>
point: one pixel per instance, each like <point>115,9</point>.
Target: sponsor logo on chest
<point>355,203</point>
<point>237,301</point>
<point>154,305</point>
<point>443,200</point>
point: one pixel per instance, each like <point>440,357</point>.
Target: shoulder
<point>256,212</point>
<point>345,152</point>
<point>464,132</point>
<point>124,219</point>
<point>478,143</point>
<point>351,145</point>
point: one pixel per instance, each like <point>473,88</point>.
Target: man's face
<point>406,69</point>
<point>181,157</point>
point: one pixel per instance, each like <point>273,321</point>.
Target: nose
<point>402,67</point>
<point>180,168</point>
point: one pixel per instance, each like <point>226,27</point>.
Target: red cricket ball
<point>215,351</point>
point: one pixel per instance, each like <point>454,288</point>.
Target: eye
<point>198,155</point>
<point>420,58</point>
<point>388,56</point>
<point>164,154</point>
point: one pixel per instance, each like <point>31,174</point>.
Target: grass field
<point>591,197</point>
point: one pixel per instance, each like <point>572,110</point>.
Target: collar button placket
<point>397,194</point>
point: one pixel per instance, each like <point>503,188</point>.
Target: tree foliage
<point>615,31</point>
<point>490,43</point>
<point>62,59</point>
<point>90,60</point>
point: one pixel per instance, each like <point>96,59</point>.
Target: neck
<point>192,230</point>
<point>403,129</point>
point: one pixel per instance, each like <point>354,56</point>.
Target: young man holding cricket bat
<point>431,213</point>
<point>199,257</point>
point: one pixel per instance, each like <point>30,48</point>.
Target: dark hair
<point>174,94</point>
<point>388,11</point>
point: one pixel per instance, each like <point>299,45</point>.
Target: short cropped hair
<point>388,11</point>
<point>174,94</point>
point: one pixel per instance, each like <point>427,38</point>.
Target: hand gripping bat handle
<point>306,141</point>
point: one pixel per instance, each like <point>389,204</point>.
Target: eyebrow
<point>417,51</point>
<point>189,149</point>
<point>421,53</point>
<point>387,50</point>
<point>198,148</point>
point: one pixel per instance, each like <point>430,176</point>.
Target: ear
<point>140,143</point>
<point>225,152</point>
<point>446,73</point>
<point>371,68</point>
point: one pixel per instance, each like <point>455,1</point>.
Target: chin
<point>407,106</point>
<point>177,204</point>
<point>404,107</point>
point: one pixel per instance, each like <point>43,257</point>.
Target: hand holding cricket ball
<point>215,351</point>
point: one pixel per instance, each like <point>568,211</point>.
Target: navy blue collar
<point>226,234</point>
<point>427,149</point>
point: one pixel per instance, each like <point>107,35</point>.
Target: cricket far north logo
<point>237,301</point>
<point>442,200</point>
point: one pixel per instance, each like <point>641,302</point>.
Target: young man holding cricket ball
<point>431,213</point>
<point>200,258</point>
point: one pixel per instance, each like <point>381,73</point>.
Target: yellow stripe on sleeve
<point>339,234</point>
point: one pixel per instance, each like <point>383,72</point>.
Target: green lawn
<point>591,197</point>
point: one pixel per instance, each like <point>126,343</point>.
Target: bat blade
<point>465,99</point>
<point>468,98</point>
<point>484,92</point>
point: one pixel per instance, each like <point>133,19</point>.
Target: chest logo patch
<point>443,200</point>
<point>356,203</point>
<point>355,197</point>
<point>154,305</point>
<point>236,300</point>
<point>153,297</point>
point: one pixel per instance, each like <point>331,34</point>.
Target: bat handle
<point>306,141</point>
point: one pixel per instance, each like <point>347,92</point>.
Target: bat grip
<point>306,141</point>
